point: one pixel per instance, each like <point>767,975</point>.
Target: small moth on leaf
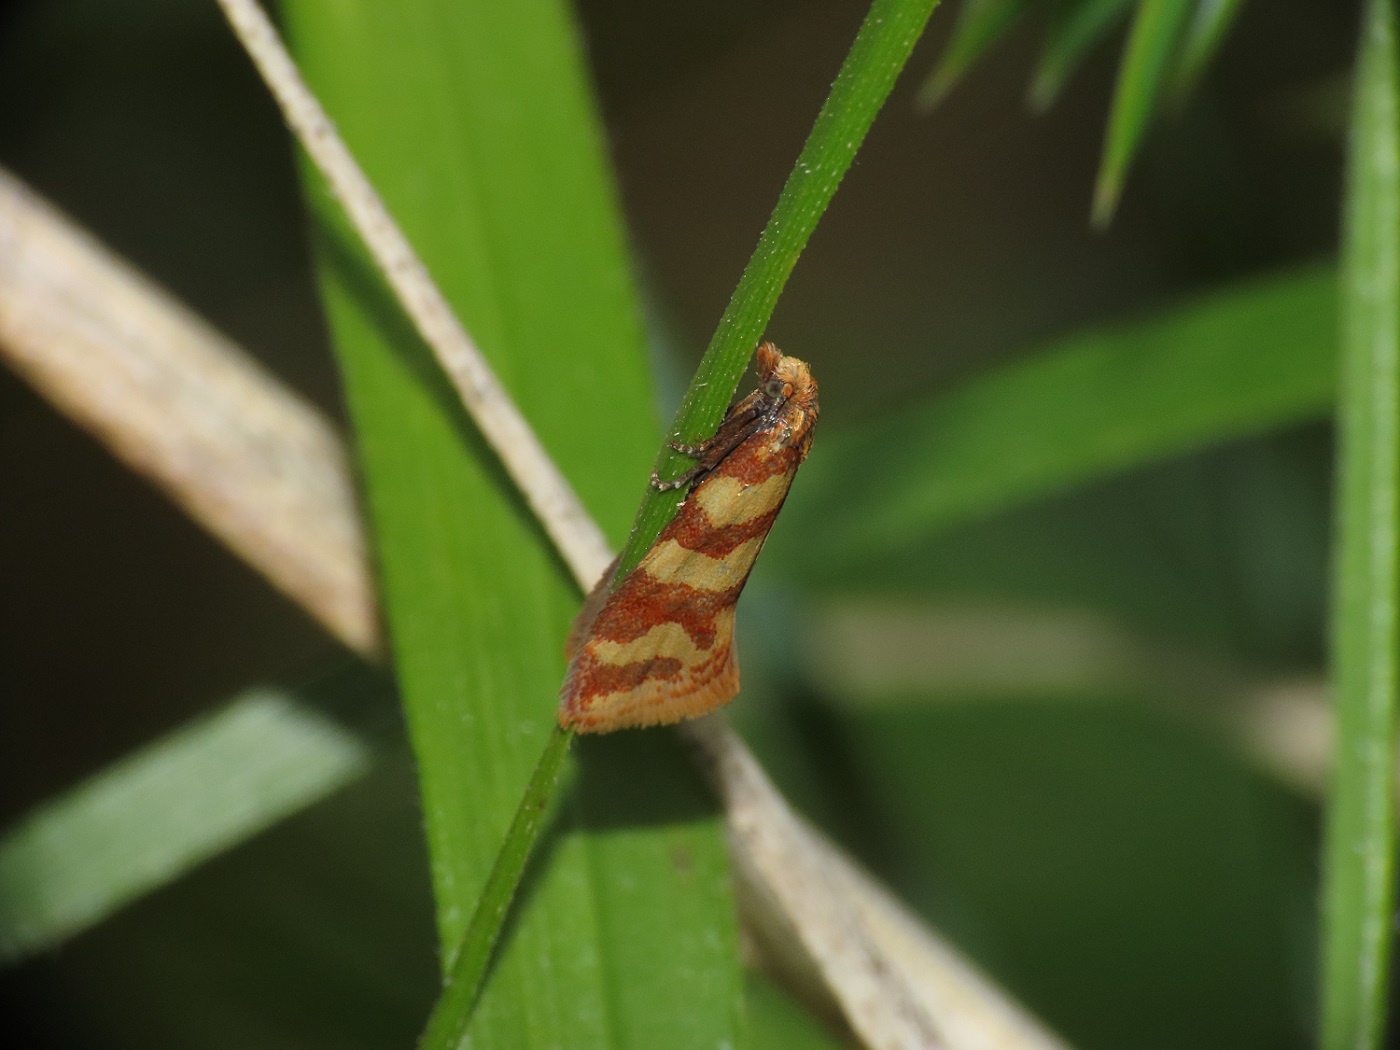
<point>659,647</point>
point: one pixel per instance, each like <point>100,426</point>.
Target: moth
<point>659,647</point>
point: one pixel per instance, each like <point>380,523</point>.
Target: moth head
<point>780,376</point>
<point>788,384</point>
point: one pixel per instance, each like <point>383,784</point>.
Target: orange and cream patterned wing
<point>660,648</point>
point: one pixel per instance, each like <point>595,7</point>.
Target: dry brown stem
<point>180,404</point>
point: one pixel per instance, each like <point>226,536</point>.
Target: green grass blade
<point>1206,32</point>
<point>867,77</point>
<point>475,122</point>
<point>452,1014</point>
<point>1358,893</point>
<point>1236,362</point>
<point>1075,28</point>
<point>778,1023</point>
<point>165,808</point>
<point>875,60</point>
<point>980,24</point>
<point>1152,48</point>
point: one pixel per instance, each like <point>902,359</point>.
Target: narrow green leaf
<point>875,60</point>
<point>475,122</point>
<point>1076,27</point>
<point>1359,859</point>
<point>980,24</point>
<point>779,1023</point>
<point>1233,363</point>
<point>1151,51</point>
<point>1204,35</point>
<point>452,1013</point>
<point>165,808</point>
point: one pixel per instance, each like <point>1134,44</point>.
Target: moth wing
<point>593,604</point>
<point>661,647</point>
<point>669,680</point>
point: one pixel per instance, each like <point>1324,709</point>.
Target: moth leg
<point>678,482</point>
<point>703,451</point>
<point>743,420</point>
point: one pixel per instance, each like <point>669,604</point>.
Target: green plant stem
<point>881,48</point>
<point>1359,858</point>
<point>466,968</point>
